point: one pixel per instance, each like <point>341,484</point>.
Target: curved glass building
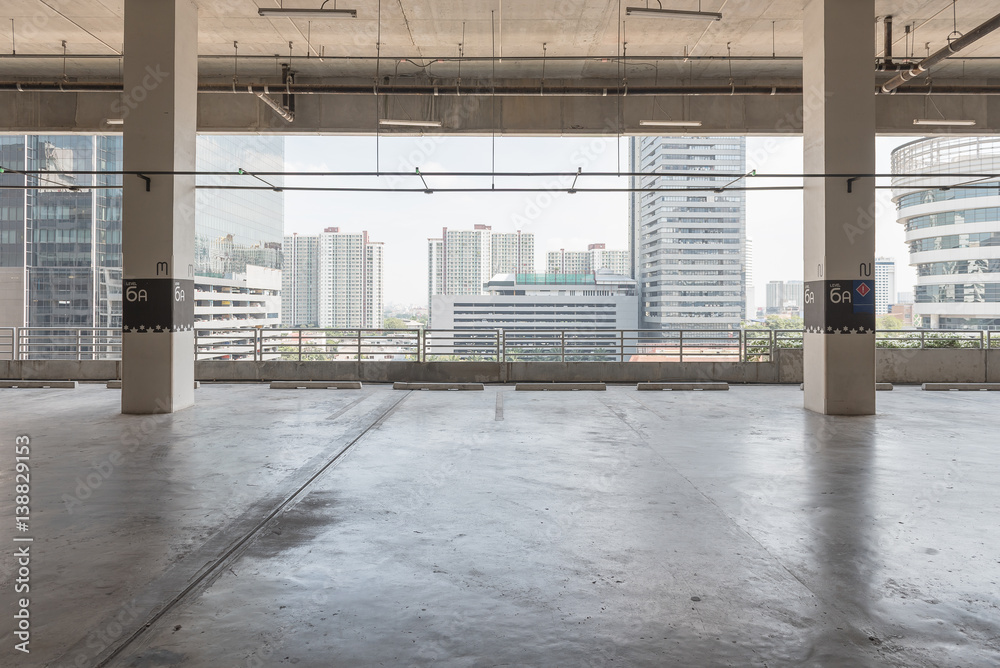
<point>952,226</point>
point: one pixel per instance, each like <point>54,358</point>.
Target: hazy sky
<point>404,221</point>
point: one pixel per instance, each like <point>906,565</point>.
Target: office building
<point>60,248</point>
<point>595,258</point>
<point>349,291</point>
<point>596,300</point>
<point>784,297</point>
<point>688,249</point>
<point>300,281</point>
<point>885,284</point>
<point>513,252</point>
<point>953,232</point>
<point>751,310</point>
<point>460,262</point>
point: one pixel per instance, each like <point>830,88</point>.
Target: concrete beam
<point>962,387</point>
<point>37,112</point>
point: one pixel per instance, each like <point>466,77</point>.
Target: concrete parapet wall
<point>61,370</point>
<point>892,366</point>
<point>913,367</point>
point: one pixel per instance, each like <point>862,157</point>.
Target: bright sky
<point>404,221</point>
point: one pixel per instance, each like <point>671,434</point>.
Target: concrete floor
<point>506,529</point>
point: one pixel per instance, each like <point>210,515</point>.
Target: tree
<point>395,323</point>
<point>888,322</point>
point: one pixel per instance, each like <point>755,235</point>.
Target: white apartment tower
<point>885,284</point>
<point>688,240</point>
<point>751,312</point>
<point>350,280</point>
<point>334,281</point>
<point>299,281</point>
<point>596,257</point>
<point>513,253</point>
<point>459,263</point>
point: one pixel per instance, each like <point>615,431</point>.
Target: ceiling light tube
<point>115,121</point>
<point>942,121</point>
<point>671,124</point>
<point>408,123</point>
<point>672,13</point>
<point>277,12</point>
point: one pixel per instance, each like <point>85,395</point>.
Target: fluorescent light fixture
<point>671,124</point>
<point>672,13</point>
<point>115,121</point>
<point>277,12</point>
<point>941,121</point>
<point>409,124</point>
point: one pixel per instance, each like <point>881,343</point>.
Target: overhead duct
<point>930,61</point>
<point>278,109</point>
<point>485,90</point>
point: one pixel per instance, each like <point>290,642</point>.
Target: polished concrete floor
<point>500,528</point>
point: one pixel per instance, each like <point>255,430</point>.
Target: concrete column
<point>839,130</point>
<point>160,111</point>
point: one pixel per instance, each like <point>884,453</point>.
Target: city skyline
<point>557,219</point>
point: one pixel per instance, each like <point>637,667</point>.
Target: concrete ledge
<point>117,384</point>
<point>438,386</point>
<point>559,387</point>
<point>963,387</point>
<point>39,384</point>
<point>879,387</point>
<point>653,387</point>
<point>315,385</point>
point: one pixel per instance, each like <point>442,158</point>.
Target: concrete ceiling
<point>427,29</point>
<point>581,41</point>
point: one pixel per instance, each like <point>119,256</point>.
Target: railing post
<point>922,339</point>
<point>359,344</point>
<point>621,345</point>
<point>562,345</point>
<point>298,337</point>
<point>502,338</point>
<point>79,351</point>
<point>680,345</point>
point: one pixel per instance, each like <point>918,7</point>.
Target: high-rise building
<point>751,311</point>
<point>60,248</point>
<point>785,297</point>
<point>953,232</point>
<point>349,291</point>
<point>885,284</point>
<point>596,257</point>
<point>513,252</point>
<point>300,281</point>
<point>459,263</point>
<point>688,248</point>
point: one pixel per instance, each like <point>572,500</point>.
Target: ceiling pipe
<point>278,109</point>
<point>887,65</point>
<point>930,61</point>
<point>484,90</point>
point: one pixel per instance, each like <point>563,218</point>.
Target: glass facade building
<point>952,229</point>
<point>689,248</point>
<point>60,247</point>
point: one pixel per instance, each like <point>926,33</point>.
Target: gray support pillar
<point>839,130</point>
<point>160,112</point>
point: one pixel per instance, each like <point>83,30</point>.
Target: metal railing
<point>60,343</point>
<point>488,345</point>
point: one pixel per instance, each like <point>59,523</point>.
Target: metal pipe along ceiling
<point>930,61</point>
<point>485,90</point>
